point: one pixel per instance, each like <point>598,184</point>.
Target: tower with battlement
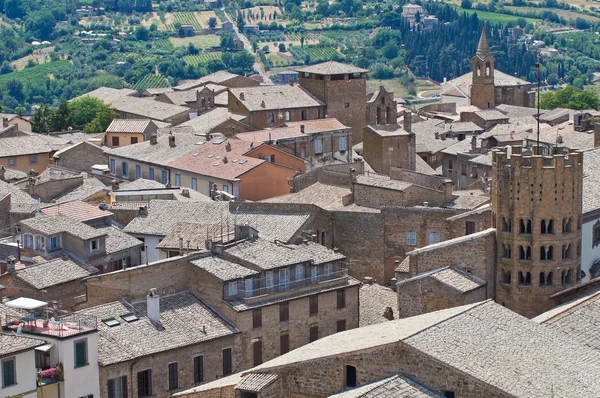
<point>536,210</point>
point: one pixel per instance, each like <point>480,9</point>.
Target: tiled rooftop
<point>58,223</point>
<point>77,210</point>
<point>25,145</point>
<point>223,269</point>
<point>268,255</point>
<point>449,276</point>
<point>206,122</point>
<point>256,381</point>
<point>117,240</point>
<point>373,300</point>
<point>128,126</point>
<point>54,272</point>
<point>292,130</point>
<point>13,344</point>
<point>184,321</point>
<point>382,181</point>
<point>388,130</point>
<point>275,97</point>
<point>390,387</point>
<point>331,68</point>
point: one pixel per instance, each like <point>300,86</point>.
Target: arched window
<point>547,227</point>
<point>547,253</point>
<point>524,252</point>
<point>488,69</point>
<point>478,69</point>
<point>506,253</point>
<point>524,279</point>
<point>567,225</point>
<point>28,241</point>
<point>379,115</point>
<point>525,226</point>
<point>506,224</point>
<point>288,116</point>
<point>542,279</point>
<point>566,251</point>
<point>506,277</point>
<point>549,279</point>
<point>546,280</point>
<point>566,277</point>
<point>270,117</point>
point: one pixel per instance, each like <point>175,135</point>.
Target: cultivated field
<point>204,41</point>
<point>201,58</point>
<point>151,81</point>
<point>425,87</point>
<point>566,14</point>
<point>40,56</point>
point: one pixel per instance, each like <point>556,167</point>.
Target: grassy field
<point>201,58</point>
<point>422,86</point>
<point>494,17</point>
<point>569,15</point>
<point>40,56</point>
<point>204,41</point>
<point>204,16</point>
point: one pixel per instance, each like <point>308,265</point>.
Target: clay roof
<point>212,159</point>
<point>262,98</point>
<point>554,114</point>
<point>193,233</point>
<point>483,49</point>
<point>292,129</point>
<point>20,201</point>
<point>77,210</point>
<point>425,136</point>
<point>117,240</point>
<point>13,344</point>
<point>382,181</point>
<point>255,382</point>
<point>483,159</point>
<point>128,126</point>
<point>491,114</point>
<point>184,321</point>
<point>217,78</point>
<point>108,95</point>
<point>331,68</point>
<point>25,145</point>
<point>149,108</point>
<point>463,83</point>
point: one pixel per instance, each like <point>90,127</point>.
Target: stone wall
<point>474,253</point>
<point>52,189</point>
<point>82,157</point>
<point>482,218</point>
<point>5,204</point>
<point>420,295</point>
<point>338,174</point>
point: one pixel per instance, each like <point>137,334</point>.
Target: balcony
<point>62,327</point>
<point>51,375</point>
<point>300,286</point>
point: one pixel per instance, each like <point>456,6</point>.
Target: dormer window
<point>95,245</point>
<point>55,243</point>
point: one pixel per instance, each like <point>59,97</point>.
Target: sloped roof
<point>464,82</point>
<point>292,129</point>
<point>117,240</point>
<point>331,68</point>
<point>223,269</point>
<point>207,121</point>
<point>390,387</point>
<point>449,276</point>
<point>128,126</point>
<point>12,344</point>
<point>54,272</point>
<point>275,97</point>
<point>58,223</point>
<point>77,210</point>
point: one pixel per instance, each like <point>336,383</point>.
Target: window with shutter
<point>284,343</point>
<point>341,325</point>
<point>342,143</point>
<point>411,238</point>
<point>144,379</point>
<point>117,388</point>
<point>257,348</point>
<point>227,366</point>
<point>313,305</point>
<point>81,353</point>
<point>256,318</point>
<point>9,375</point>
<point>173,376</point>
<point>341,299</point>
<point>199,369</point>
<point>318,146</point>
<point>284,312</point>
<point>313,334</point>
<point>434,237</point>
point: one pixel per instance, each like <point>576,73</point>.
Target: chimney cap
<point>153,292</point>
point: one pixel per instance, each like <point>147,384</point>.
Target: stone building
<point>486,87</point>
<point>389,146</point>
<point>536,210</point>
<point>426,356</point>
<point>342,89</point>
<point>382,108</point>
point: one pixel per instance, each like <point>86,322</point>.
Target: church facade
<point>486,87</point>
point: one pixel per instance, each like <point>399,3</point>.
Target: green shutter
<point>8,373</point>
<point>80,354</point>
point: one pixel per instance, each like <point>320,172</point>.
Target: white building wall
<point>151,252</point>
<point>589,254</point>
<point>83,381</point>
<point>26,375</point>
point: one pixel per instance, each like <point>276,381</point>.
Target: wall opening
<point>350,376</point>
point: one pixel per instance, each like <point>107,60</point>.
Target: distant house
<point>211,4</point>
<point>251,29</point>
<point>227,25</point>
<point>187,30</point>
<point>122,132</point>
<point>286,76</point>
<point>222,78</point>
<point>20,122</point>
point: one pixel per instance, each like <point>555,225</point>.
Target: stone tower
<point>536,210</point>
<point>482,87</point>
<point>343,88</point>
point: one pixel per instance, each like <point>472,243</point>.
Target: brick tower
<point>536,210</point>
<point>482,87</point>
<point>343,88</point>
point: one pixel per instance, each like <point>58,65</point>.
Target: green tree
<point>570,97</point>
<point>242,59</point>
<point>142,33</point>
<point>212,22</point>
<point>215,65</point>
<point>40,122</point>
<point>390,50</point>
<point>282,48</point>
<point>467,4</point>
<point>14,8</point>
<point>86,109</point>
<point>100,122</point>
<point>60,119</point>
<point>41,24</point>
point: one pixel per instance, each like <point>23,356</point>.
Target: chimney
<point>437,135</point>
<point>228,146</point>
<point>408,121</point>
<point>185,193</point>
<point>302,128</point>
<point>10,263</point>
<point>171,140</point>
<point>425,204</point>
<point>4,121</point>
<point>262,104</point>
<point>180,245</point>
<point>153,139</point>
<point>143,211</point>
<point>115,185</point>
<point>242,96</point>
<point>198,101</point>
<point>153,305</point>
<point>368,280</point>
<point>388,313</point>
<point>225,160</point>
<point>474,142</point>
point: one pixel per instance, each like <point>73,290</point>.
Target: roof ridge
<point>575,305</point>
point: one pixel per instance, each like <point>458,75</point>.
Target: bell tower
<point>482,87</point>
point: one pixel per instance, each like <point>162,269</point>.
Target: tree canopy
<point>570,97</point>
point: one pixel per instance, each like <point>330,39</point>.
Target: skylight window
<point>112,322</point>
<point>219,141</point>
<point>130,317</point>
<point>243,161</point>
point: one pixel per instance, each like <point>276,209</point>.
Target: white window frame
<point>318,146</point>
<point>236,190</point>
<point>284,279</point>
<point>343,144</point>
<point>40,242</point>
<point>92,245</point>
<point>194,184</point>
<point>113,167</point>
<point>225,188</point>
<point>411,238</point>
<point>28,241</point>
<point>288,116</point>
<point>299,272</point>
<point>14,364</point>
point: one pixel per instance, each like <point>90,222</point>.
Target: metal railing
<point>64,326</point>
